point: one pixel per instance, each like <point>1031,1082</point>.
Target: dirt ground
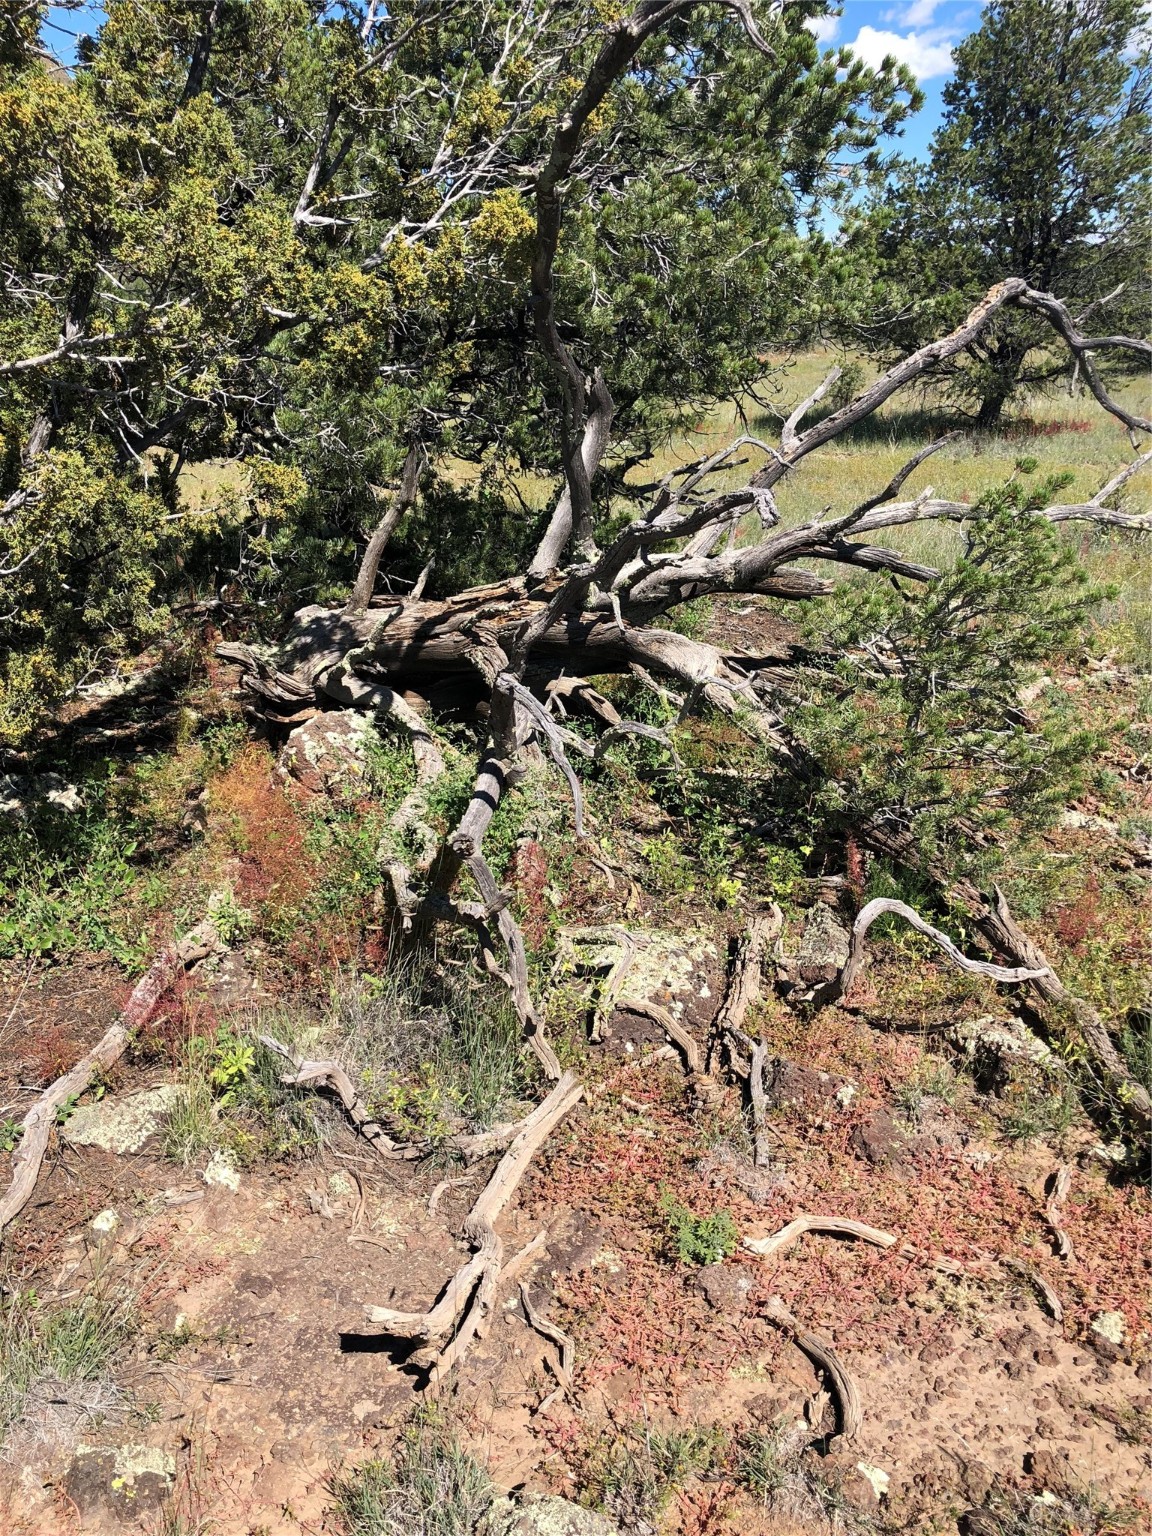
<point>250,1378</point>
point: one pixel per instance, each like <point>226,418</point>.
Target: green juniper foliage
<point>264,247</point>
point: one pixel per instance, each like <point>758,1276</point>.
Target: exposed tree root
<point>821,1353</point>
<point>467,1300</point>
<point>561,1368</point>
<point>37,1125</point>
<point>1037,1280</point>
<point>1061,1183</point>
<point>331,1075</point>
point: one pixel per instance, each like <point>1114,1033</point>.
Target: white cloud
<point>823,28</point>
<point>925,54</point>
<point>919,13</point>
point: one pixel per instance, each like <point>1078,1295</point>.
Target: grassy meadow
<point>1061,433</point>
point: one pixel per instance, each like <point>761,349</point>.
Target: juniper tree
<point>1039,170</point>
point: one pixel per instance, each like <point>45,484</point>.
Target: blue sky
<point>920,33</point>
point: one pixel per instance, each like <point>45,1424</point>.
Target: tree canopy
<point>1040,170</point>
<point>297,238</point>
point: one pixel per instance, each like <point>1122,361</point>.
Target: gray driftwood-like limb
<point>788,436</point>
<point>1061,1183</point>
<point>470,1292</point>
<point>37,1125</point>
<point>838,1226</point>
<point>842,1226</point>
<point>331,1075</point>
<point>993,918</point>
<point>882,906</point>
<point>822,1354</point>
<point>562,1367</point>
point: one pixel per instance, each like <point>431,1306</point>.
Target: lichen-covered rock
<point>545,1515</point>
<point>120,1125</point>
<point>819,957</point>
<point>329,753</point>
<point>127,1481</point>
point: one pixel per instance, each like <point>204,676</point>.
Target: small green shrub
<point>668,864</point>
<point>699,1239</point>
<point>632,1469</point>
<point>430,1487</point>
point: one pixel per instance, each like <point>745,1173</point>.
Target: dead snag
<point>36,1128</point>
<point>1061,1183</point>
<point>331,1075</point>
<point>821,1353</point>
<point>471,1291</point>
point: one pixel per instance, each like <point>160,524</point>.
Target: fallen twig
<point>1061,1183</point>
<point>36,1127</point>
<point>561,1368</point>
<point>822,1354</point>
<point>471,1291</point>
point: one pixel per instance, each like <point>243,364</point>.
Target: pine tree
<point>1039,170</point>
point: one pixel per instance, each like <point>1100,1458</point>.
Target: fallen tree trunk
<point>37,1125</point>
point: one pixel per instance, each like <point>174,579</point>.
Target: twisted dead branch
<point>331,1075</point>
<point>561,1368</point>
<point>821,1353</point>
<point>37,1125</point>
<point>882,907</point>
<point>467,1299</point>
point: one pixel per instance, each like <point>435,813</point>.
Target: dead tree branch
<point>37,1126</point>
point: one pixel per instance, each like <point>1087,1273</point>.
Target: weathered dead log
<point>37,1125</point>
